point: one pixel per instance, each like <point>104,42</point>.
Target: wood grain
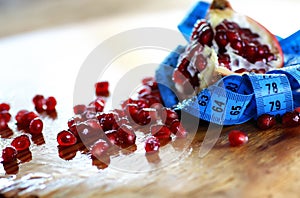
<point>47,63</point>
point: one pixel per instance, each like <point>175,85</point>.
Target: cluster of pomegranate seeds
<point>29,121</point>
<point>237,138</point>
<point>101,88</point>
<point>118,127</point>
<point>44,104</point>
<point>289,119</point>
<point>266,121</point>
<point>4,116</point>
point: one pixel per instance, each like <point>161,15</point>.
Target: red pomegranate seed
<point>51,103</point>
<point>266,121</point>
<point>3,125</point>
<point>99,104</point>
<point>297,109</point>
<point>71,122</point>
<point>112,136</point>
<point>221,38</point>
<point>4,107</point>
<point>150,81</point>
<point>99,148</point>
<point>20,115</point>
<point>107,120</point>
<point>26,119</point>
<point>160,131</point>
<point>168,116</point>
<point>143,117</point>
<point>39,102</point>
<point>200,63</point>
<point>291,119</point>
<point>144,90</point>
<point>132,111</point>
<point>66,138</point>
<point>36,126</point>
<point>79,109</point>
<point>125,136</point>
<point>21,143</point>
<point>9,154</point>
<point>237,138</point>
<point>152,145</point>
<point>120,122</point>
<point>73,129</point>
<point>5,115</point>
<point>177,129</point>
<point>101,88</point>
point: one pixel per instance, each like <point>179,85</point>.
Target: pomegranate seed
<point>221,38</point>
<point>3,125</point>
<point>112,136</point>
<point>26,119</point>
<point>168,116</point>
<point>36,126</point>
<point>237,138</point>
<point>107,120</point>
<point>66,138</point>
<point>21,143</point>
<point>132,110</point>
<point>9,154</point>
<point>291,119</point>
<point>200,63</point>
<point>71,122</point>
<point>99,148</point>
<point>99,104</point>
<point>73,129</point>
<point>120,122</point>
<point>152,145</point>
<point>143,117</point>
<point>266,121</point>
<point>150,82</point>
<point>101,88</point>
<point>5,115</point>
<point>39,102</point>
<point>177,129</point>
<point>144,90</point>
<point>4,107</point>
<point>297,110</point>
<point>160,131</point>
<point>51,103</point>
<point>20,115</point>
<point>125,136</point>
<point>79,109</point>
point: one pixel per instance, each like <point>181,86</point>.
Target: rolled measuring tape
<point>235,99</point>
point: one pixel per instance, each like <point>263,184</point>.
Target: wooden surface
<point>47,62</point>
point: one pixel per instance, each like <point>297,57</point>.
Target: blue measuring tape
<point>235,99</point>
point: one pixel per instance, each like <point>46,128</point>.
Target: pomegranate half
<point>223,43</point>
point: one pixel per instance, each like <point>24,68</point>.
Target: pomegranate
<point>223,43</point>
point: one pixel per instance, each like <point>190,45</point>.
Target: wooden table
<point>47,62</point>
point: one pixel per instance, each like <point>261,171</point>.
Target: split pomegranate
<point>223,43</point>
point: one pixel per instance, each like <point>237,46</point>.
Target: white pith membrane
<point>213,71</point>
